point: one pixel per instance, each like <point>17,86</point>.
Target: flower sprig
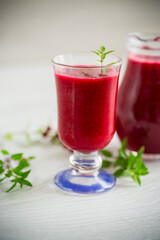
<point>12,167</point>
<point>43,133</point>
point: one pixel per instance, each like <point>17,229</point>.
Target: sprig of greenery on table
<point>102,55</point>
<point>45,133</point>
<point>16,174</point>
<point>126,164</point>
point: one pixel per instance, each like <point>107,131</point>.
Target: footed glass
<point>86,97</point>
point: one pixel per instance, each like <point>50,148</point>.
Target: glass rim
<point>118,62</point>
<point>144,41</point>
<point>144,36</point>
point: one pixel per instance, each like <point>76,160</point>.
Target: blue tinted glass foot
<point>71,181</point>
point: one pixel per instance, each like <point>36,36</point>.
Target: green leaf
<point>1,162</point>
<point>2,179</point>
<point>122,154</point>
<point>22,182</point>
<point>138,158</point>
<point>4,152</point>
<point>8,174</point>
<point>26,182</point>
<point>22,174</point>
<point>106,164</point>
<point>22,164</point>
<point>13,186</point>
<point>18,180</point>
<point>106,53</point>
<point>131,161</point>
<point>40,130</point>
<point>55,139</point>
<point>1,169</point>
<point>102,48</point>
<point>141,150</point>
<point>8,136</point>
<point>136,179</point>
<point>124,144</point>
<point>128,172</point>
<point>17,156</point>
<point>112,63</point>
<point>95,52</point>
<point>118,173</point>
<point>106,153</point>
<point>31,157</point>
<point>142,171</point>
<point>119,162</point>
<point>143,166</point>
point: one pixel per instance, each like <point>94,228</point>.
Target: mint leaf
<point>124,144</point>
<point>8,136</point>
<point>95,52</point>
<point>4,152</point>
<point>1,169</point>
<point>131,161</point>
<point>22,174</point>
<point>1,162</point>
<point>18,180</point>
<point>31,157</point>
<point>8,174</point>
<point>2,179</point>
<point>17,174</point>
<point>102,55</point>
<point>102,49</point>
<point>27,183</point>
<point>17,156</point>
<point>40,131</point>
<point>111,63</point>
<point>128,164</point>
<point>106,164</point>
<point>106,153</point>
<point>23,163</point>
<point>13,186</point>
<point>118,172</point>
<point>22,182</point>
<point>136,179</point>
<point>122,154</point>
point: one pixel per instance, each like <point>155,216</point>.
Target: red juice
<point>138,107</point>
<point>86,108</point>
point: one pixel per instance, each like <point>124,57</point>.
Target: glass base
<point>71,180</point>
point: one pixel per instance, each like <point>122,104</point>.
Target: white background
<point>31,33</point>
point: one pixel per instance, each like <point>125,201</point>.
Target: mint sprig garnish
<point>126,164</point>
<point>102,55</point>
<point>12,168</point>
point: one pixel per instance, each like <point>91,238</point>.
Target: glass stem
<point>86,164</point>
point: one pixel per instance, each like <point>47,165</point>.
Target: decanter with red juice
<point>138,107</point>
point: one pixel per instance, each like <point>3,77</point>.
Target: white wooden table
<point>44,212</point>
